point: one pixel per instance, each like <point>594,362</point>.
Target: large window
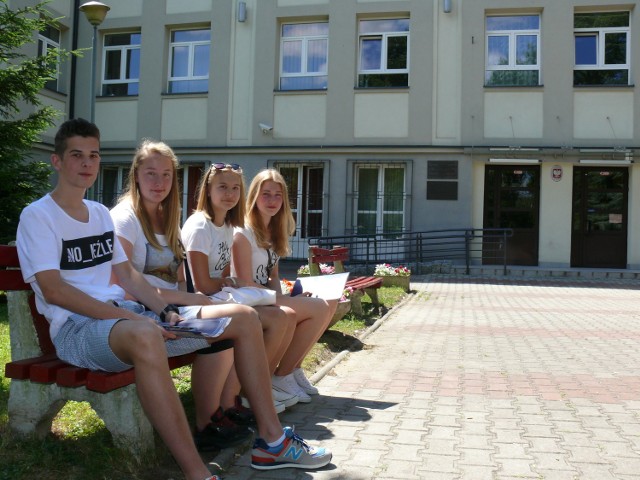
<point>49,39</point>
<point>384,53</point>
<point>513,50</point>
<point>303,56</point>
<point>601,48</point>
<point>380,198</point>
<point>121,64</point>
<point>189,61</point>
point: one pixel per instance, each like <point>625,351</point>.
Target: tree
<point>21,78</point>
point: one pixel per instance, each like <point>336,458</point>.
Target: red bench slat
<point>46,372</point>
<point>19,370</point>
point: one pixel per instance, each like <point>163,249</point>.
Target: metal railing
<point>425,251</point>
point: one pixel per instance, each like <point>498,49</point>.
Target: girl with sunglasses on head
<point>147,224</point>
<point>207,236</point>
<point>255,254</point>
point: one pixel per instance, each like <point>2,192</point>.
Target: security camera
<point>265,128</point>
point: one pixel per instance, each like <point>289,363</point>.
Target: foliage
<point>21,79</point>
<point>387,270</point>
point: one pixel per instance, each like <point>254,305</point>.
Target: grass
<point>79,446</point>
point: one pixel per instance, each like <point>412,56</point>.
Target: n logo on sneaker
<point>293,452</point>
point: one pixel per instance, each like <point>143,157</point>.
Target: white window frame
<point>124,50</point>
<point>191,57</point>
<point>384,37</point>
<point>380,212</point>
<point>45,44</point>
<point>513,35</point>
<point>600,34</point>
<point>304,40</point>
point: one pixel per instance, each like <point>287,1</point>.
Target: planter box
<point>390,281</point>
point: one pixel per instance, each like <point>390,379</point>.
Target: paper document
<point>196,328</point>
<point>328,287</point>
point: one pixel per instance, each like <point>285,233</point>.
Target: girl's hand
<point>230,282</point>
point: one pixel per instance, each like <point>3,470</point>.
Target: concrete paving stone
<point>475,428</point>
<point>616,449</point>
<point>577,439</point>
<point>406,452</point>
<point>512,450</point>
<point>401,470</point>
<point>508,436</point>
<point>586,455</point>
<point>625,465</point>
<point>439,463</point>
<point>630,429</point>
<point>558,475</point>
<point>443,432</point>
<point>474,456</point>
<point>475,441</point>
<point>606,434</point>
<point>378,442</point>
<point>442,446</point>
<point>551,461</point>
<point>476,472</point>
<point>592,471</point>
<point>568,427</point>
<point>365,456</point>
<point>516,468</point>
<point>409,437</point>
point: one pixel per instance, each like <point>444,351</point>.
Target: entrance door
<point>599,217</point>
<point>512,200</point>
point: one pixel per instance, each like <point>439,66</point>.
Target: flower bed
<point>399,276</point>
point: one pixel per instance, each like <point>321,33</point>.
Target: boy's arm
<point>58,292</point>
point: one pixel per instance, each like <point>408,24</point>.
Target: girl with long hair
<point>208,235</point>
<point>255,254</point>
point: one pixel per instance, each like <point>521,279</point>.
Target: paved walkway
<point>485,379</point>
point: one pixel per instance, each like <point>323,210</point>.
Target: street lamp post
<point>95,13</point>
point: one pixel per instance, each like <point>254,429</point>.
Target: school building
<point>383,115</point>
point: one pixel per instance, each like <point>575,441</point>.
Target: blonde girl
<point>255,254</point>
<point>208,235</point>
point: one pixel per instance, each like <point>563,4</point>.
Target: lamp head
<point>95,12</point>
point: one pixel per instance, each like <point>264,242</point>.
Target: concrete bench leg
<point>356,301</point>
<point>124,418</point>
<point>32,407</point>
<point>373,295</point>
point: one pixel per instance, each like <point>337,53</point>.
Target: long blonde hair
<point>282,224</point>
<point>235,216</point>
<point>170,206</point>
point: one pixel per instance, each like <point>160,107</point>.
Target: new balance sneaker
<point>288,384</point>
<point>293,452</point>
<point>288,399</point>
<point>240,415</point>
<point>220,433</point>
<point>279,406</point>
<point>303,382</point>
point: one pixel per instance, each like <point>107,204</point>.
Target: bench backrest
<point>11,280</point>
<point>336,256</point>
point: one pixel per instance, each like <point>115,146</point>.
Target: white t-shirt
<point>199,234</point>
<point>159,267</point>
<point>262,260</point>
<point>49,239</point>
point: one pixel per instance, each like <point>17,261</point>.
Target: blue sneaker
<point>293,452</point>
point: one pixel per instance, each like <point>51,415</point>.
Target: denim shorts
<point>84,341</point>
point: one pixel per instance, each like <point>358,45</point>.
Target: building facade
<point>384,116</point>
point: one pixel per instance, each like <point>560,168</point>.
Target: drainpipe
<point>74,60</point>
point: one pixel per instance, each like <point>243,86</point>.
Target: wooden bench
<point>360,285</point>
<point>41,383</point>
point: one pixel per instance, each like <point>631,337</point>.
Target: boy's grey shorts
<point>84,341</point>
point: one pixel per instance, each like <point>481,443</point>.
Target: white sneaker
<point>289,385</point>
<point>283,397</point>
<point>279,406</point>
<point>303,382</point>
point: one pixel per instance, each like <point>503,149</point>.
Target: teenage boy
<point>68,250</point>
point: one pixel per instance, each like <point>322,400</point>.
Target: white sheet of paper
<point>328,287</point>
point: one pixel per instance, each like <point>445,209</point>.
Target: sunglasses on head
<point>224,166</point>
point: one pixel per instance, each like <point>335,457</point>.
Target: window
<point>303,56</point>
<point>513,46</point>
<point>121,64</point>
<point>442,180</point>
<point>189,61</point>
<point>49,39</point>
<point>601,48</point>
<point>380,199</point>
<point>384,53</point>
